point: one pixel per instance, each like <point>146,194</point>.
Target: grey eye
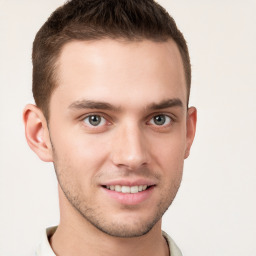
<point>160,120</point>
<point>95,120</point>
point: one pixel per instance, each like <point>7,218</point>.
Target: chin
<point>127,230</point>
<point>124,226</point>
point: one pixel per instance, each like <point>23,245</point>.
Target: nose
<point>129,148</point>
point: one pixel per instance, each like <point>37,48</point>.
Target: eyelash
<point>101,115</point>
<point>170,119</point>
<point>166,118</point>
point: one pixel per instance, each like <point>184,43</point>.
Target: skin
<point>133,82</point>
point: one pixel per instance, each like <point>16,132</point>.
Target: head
<point>88,20</point>
<point>111,81</point>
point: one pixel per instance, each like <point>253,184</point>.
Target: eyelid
<point>167,118</point>
<point>102,121</point>
<point>171,116</point>
<point>109,120</point>
<point>102,115</point>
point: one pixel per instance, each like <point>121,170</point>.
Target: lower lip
<point>129,198</point>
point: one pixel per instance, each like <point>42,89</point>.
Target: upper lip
<point>130,183</point>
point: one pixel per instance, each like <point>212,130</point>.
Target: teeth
<point>118,188</point>
<point>127,189</point>
<point>134,189</point>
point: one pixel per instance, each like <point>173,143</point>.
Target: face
<point>120,131</point>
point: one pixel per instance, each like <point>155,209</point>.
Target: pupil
<point>94,120</point>
<point>159,120</point>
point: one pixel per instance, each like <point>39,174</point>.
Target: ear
<point>191,129</point>
<point>37,133</point>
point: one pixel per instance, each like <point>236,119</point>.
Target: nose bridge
<point>129,148</point>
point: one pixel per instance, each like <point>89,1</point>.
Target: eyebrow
<point>166,104</point>
<point>88,104</point>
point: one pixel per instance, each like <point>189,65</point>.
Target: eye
<point>95,120</point>
<point>160,120</point>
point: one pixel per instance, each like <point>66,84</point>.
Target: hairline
<point>56,60</point>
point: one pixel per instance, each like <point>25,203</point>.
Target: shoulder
<point>44,248</point>
<point>174,249</point>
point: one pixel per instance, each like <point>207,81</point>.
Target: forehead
<point>120,71</point>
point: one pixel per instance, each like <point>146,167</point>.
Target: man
<point>111,82</point>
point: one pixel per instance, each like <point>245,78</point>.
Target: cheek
<point>170,149</point>
<point>82,153</point>
<point>168,157</point>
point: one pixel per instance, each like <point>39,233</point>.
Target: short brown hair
<point>95,20</point>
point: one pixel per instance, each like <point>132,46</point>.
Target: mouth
<point>127,189</point>
<point>129,192</point>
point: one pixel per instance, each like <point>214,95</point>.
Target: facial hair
<point>96,215</point>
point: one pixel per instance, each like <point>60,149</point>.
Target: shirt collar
<point>44,248</point>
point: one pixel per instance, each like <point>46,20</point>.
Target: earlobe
<point>191,129</point>
<point>36,132</point>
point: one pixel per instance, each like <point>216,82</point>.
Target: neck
<point>76,236</point>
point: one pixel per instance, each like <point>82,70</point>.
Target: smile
<point>129,194</point>
<point>127,189</point>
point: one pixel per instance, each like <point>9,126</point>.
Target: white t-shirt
<point>44,248</point>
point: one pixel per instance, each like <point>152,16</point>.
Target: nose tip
<point>130,160</point>
<point>130,150</point>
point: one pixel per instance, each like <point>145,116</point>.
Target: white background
<point>214,212</point>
